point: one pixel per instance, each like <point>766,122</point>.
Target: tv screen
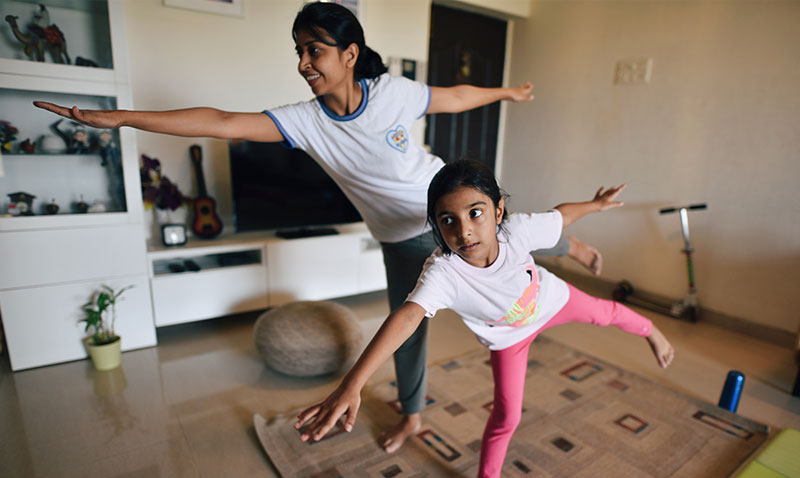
<point>279,188</point>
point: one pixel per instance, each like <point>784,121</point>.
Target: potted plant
<point>101,315</point>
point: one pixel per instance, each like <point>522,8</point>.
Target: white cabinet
<point>244,272</point>
<point>230,278</point>
<point>41,323</point>
<point>51,261</point>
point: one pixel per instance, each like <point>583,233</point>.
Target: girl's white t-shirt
<point>508,301</point>
<point>370,153</point>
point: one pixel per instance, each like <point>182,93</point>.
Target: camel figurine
<point>42,34</point>
<point>33,45</point>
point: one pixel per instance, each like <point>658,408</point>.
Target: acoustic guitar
<point>206,223</point>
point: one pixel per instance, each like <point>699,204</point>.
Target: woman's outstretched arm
<point>191,122</point>
<point>455,99</point>
<point>346,399</point>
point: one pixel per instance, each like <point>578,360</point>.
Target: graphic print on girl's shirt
<point>523,312</point>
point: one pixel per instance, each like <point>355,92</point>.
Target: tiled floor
<point>185,408</point>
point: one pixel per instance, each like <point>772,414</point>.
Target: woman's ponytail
<point>342,26</point>
<point>369,64</point>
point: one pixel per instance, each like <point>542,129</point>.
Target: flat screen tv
<point>277,188</point>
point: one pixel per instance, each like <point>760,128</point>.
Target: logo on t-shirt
<point>523,312</point>
<point>398,138</point>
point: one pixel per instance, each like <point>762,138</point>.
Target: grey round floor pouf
<point>305,339</point>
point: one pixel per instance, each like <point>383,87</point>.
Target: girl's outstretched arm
<point>192,122</point>
<point>603,199</point>
<point>346,399</point>
<point>455,99</point>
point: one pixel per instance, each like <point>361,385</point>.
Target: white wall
<point>181,58</point>
<point>719,123</point>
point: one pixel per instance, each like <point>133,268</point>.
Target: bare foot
<point>662,349</point>
<point>585,255</point>
<point>392,439</point>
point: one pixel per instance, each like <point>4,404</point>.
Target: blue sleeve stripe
<point>288,141</point>
<point>428,104</point>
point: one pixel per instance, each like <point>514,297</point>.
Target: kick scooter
<point>685,308</point>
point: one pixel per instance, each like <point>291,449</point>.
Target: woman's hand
<point>320,418</point>
<point>93,118</point>
<point>605,199</point>
<point>521,93</point>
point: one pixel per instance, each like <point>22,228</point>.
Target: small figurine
<point>27,146</point>
<point>33,46</point>
<point>77,141</point>
<point>41,34</point>
<point>112,161</point>
<point>50,143</point>
<point>8,133</point>
<point>80,207</point>
<point>81,61</point>
<point>52,208</point>
<point>107,147</point>
<point>97,207</point>
<point>23,203</point>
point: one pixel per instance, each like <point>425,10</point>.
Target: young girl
<point>358,129</point>
<point>484,272</point>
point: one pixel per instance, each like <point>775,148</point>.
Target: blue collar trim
<point>354,114</point>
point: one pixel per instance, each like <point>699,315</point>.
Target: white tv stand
<point>256,270</point>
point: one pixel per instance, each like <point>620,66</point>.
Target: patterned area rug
<point>582,418</point>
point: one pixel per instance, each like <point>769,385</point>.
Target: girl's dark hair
<point>466,172</point>
<point>339,23</point>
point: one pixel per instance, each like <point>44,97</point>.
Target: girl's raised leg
<point>585,308</point>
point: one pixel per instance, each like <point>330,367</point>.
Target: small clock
<point>173,234</point>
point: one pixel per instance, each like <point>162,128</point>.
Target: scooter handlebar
<point>668,210</point>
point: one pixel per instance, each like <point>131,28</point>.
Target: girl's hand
<point>320,418</point>
<point>521,93</point>
<point>94,118</point>
<point>605,199</point>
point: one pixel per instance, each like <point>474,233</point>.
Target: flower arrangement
<point>157,189</point>
<point>101,315</point>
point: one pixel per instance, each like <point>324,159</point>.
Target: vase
<point>106,356</point>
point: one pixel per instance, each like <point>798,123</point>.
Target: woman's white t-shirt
<point>370,153</point>
<point>507,301</point>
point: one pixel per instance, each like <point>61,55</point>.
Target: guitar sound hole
<point>205,210</point>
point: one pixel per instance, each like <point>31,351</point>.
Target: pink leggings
<point>509,366</point>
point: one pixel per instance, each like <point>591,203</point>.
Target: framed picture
<point>220,7</point>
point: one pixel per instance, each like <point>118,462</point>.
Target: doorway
<point>465,48</point>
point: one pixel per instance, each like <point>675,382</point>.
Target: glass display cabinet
<point>70,197</point>
<point>53,170</point>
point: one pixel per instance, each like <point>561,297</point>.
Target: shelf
<point>206,262</point>
<point>56,71</point>
<point>45,156</point>
<point>62,221</point>
<point>65,179</point>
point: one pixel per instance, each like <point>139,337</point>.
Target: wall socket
<point>633,72</point>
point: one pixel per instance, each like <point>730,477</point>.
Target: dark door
<point>465,48</point>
